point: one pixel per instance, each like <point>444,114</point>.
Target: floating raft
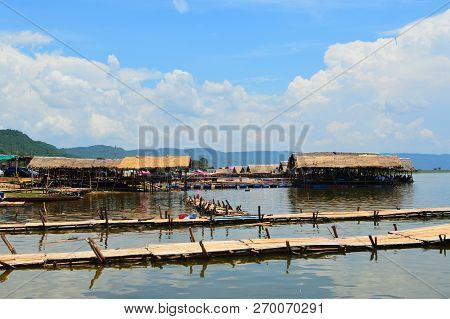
<point>434,236</point>
<point>40,199</point>
<point>11,204</point>
<point>313,217</point>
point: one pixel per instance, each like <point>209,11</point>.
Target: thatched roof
<point>407,164</point>
<point>72,163</point>
<point>149,162</point>
<point>223,171</point>
<point>262,169</point>
<point>345,161</point>
<point>238,169</point>
<point>283,167</point>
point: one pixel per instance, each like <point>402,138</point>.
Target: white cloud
<point>181,6</point>
<point>387,103</point>
<point>426,133</point>
<point>24,38</point>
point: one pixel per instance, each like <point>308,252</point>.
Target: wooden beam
<point>97,251</point>
<point>191,235</point>
<point>203,248</point>
<point>8,244</point>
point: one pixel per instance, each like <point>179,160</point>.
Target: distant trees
<point>202,163</point>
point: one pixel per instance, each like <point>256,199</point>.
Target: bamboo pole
<point>8,244</point>
<point>97,251</point>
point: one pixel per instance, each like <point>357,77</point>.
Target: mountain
<point>98,151</point>
<point>428,161</point>
<point>18,143</point>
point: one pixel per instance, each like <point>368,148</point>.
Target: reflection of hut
<point>348,168</point>
<point>266,169</point>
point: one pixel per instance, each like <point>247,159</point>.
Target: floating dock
<point>11,204</point>
<point>240,219</point>
<point>428,237</point>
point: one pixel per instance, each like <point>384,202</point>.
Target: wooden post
<point>160,213</point>
<point>395,227</point>
<point>226,210</point>
<point>6,265</point>
<point>229,204</point>
<point>43,219</point>
<point>259,213</point>
<point>106,217</point>
<point>301,210</point>
<point>203,248</point>
<point>357,209</point>
<point>191,235</point>
<point>97,251</point>
<point>8,244</point>
<point>267,233</point>
<point>165,214</point>
<point>335,234</point>
<point>373,241</point>
<point>100,213</point>
<point>288,246</point>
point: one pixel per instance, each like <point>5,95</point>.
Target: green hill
<point>97,151</point>
<point>18,143</point>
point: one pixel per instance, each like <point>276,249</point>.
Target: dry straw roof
<point>150,162</point>
<point>407,164</point>
<point>71,163</point>
<point>262,169</point>
<point>237,169</point>
<point>345,161</point>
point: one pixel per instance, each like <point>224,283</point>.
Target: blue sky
<point>229,63</point>
<point>261,44</point>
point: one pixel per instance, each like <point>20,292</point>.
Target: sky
<point>115,66</point>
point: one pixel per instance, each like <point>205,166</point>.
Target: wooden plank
<point>210,249</point>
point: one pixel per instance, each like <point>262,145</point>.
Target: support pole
<point>8,244</point>
<point>97,251</point>
<point>374,242</point>
<point>335,234</point>
<point>267,233</point>
<point>203,248</point>
<point>191,235</point>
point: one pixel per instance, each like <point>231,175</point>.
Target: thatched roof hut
<point>39,162</point>
<point>153,162</point>
<point>344,161</point>
<point>238,169</point>
<point>262,169</point>
<point>283,167</point>
<point>223,171</point>
<point>407,164</point>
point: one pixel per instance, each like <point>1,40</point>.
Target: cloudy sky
<point>228,63</point>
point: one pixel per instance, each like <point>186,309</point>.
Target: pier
<point>427,237</point>
<point>234,217</point>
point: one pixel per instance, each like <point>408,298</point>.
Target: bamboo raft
<point>428,237</point>
<point>11,204</point>
<point>241,218</point>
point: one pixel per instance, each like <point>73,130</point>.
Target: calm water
<point>410,273</point>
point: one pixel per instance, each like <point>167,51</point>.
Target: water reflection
<point>362,275</point>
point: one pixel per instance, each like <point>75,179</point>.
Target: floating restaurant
<point>348,169</point>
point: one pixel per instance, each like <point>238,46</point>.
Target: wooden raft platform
<point>11,204</point>
<point>156,223</point>
<point>434,236</point>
